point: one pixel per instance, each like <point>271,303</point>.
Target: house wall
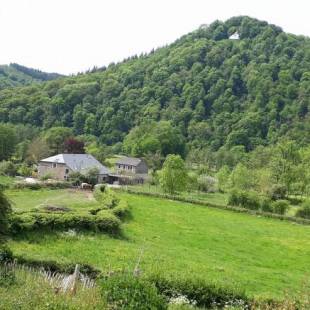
<point>130,170</point>
<point>57,171</point>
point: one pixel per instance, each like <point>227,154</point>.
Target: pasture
<point>265,257</point>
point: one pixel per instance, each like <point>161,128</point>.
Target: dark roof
<point>78,162</point>
<point>131,161</point>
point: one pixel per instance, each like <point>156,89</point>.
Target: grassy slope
<point>264,256</point>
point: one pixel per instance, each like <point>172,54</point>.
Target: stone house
<point>60,166</point>
<point>130,170</point>
<point>131,166</point>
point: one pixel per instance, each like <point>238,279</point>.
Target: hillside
<point>16,75</point>
<point>217,91</point>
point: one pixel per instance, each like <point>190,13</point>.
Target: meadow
<point>264,257</point>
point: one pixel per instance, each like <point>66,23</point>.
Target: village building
<point>60,166</point>
<point>130,170</point>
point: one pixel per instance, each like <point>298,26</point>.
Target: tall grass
<point>26,288</point>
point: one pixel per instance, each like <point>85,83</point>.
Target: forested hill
<point>17,75</point>
<point>215,90</point>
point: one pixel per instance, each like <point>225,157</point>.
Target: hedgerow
<point>105,222</point>
<point>37,186</point>
<point>299,220</point>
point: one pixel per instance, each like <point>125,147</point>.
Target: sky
<point>70,36</point>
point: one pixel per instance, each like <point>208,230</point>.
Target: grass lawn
<point>27,199</point>
<point>264,256</point>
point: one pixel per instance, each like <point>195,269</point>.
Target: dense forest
<point>16,75</point>
<point>210,91</point>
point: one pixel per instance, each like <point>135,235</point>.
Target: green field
<point>266,257</point>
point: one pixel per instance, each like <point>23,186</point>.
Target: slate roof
<point>78,162</point>
<point>131,161</point>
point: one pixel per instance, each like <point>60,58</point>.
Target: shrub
<point>304,210</point>
<point>105,222</point>
<point>125,291</point>
<point>266,205</point>
<point>37,186</point>
<point>121,210</point>
<point>280,206</point>
<point>24,170</point>
<point>248,200</point>
<point>206,183</point>
<point>277,191</point>
<point>106,197</point>
<point>7,277</point>
<point>6,254</point>
<point>203,293</point>
<point>8,168</point>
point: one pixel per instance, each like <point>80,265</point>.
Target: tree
<point>173,176</point>
<point>37,150</point>
<point>74,146</point>
<point>7,141</point>
<point>5,210</point>
<point>241,178</point>
<point>56,137</point>
<point>223,179</point>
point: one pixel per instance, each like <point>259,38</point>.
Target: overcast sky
<point>68,36</point>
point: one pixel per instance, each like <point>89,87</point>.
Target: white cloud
<point>68,36</point>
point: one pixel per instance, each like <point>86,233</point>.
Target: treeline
<point>215,92</point>
<point>16,75</point>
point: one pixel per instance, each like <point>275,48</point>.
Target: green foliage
<point>56,137</point>
<point>154,137</point>
<point>17,75</point>
<point>223,179</point>
<point>201,292</point>
<point>38,186</point>
<point>277,191</point>
<point>173,176</point>
<point>126,291</point>
<point>215,92</point>
<point>8,168</point>
<point>304,210</point>
<point>248,200</point>
<point>206,183</point>
<point>8,141</point>
<point>106,197</point>
<point>103,222</point>
<point>280,206</point>
<point>5,211</point>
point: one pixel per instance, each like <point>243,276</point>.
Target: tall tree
<point>173,176</point>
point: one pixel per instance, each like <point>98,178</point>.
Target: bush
<point>6,254</point>
<point>121,210</point>
<point>204,294</point>
<point>106,197</point>
<point>125,291</point>
<point>8,168</point>
<point>266,205</point>
<point>37,186</point>
<point>206,183</point>
<point>105,222</point>
<point>304,210</point>
<point>277,191</point>
<point>248,200</point>
<point>280,206</point>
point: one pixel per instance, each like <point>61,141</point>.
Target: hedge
<point>106,222</point>
<point>201,292</point>
<point>37,186</point>
<point>297,220</point>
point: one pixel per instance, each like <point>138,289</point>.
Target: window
<point>54,165</point>
<point>67,171</point>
